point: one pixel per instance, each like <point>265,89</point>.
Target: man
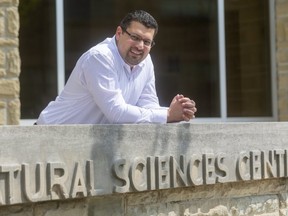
<point>114,83</point>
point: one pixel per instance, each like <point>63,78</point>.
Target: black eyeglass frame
<point>138,39</point>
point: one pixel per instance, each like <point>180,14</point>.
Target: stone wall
<point>9,63</point>
<point>215,169</point>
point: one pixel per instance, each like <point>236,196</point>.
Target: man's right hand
<point>181,109</point>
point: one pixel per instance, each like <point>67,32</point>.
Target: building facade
<point>229,56</point>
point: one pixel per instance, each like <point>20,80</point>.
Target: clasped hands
<point>181,109</point>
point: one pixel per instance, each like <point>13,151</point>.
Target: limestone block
<point>2,72</point>
<point>9,42</point>
<point>5,1</point>
<point>282,55</point>
<point>244,206</point>
<point>113,206</point>
<point>15,3</point>
<point>9,87</point>
<point>260,197</point>
<point>281,8</point>
<point>2,26</point>
<point>73,208</point>
<point>14,112</point>
<point>9,2</point>
<point>2,12</point>
<point>13,21</point>
<point>283,203</point>
<point>285,29</point>
<point>2,104</point>
<point>280,31</point>
<point>2,117</point>
<point>2,58</point>
<point>241,199</point>
<point>159,209</point>
<point>283,81</point>
<point>283,118</point>
<point>2,113</point>
<point>17,211</point>
<point>282,69</point>
<point>13,59</point>
<point>47,161</point>
<point>283,102</point>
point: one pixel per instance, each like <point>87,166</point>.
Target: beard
<point>134,57</point>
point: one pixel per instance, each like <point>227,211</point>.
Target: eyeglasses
<point>138,39</point>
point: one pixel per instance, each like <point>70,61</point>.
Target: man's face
<point>133,42</point>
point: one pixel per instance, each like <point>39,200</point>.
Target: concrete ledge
<point>145,169</point>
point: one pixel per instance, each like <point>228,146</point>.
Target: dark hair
<point>142,17</point>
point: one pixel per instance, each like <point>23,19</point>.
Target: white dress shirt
<point>102,89</point>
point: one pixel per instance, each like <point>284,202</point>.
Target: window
<point>216,52</point>
<point>248,68</point>
<point>38,78</point>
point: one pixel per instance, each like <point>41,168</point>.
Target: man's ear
<point>118,32</point>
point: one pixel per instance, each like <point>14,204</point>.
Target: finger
<point>179,97</point>
<point>188,112</point>
<point>194,109</point>
<point>184,99</point>
<point>185,118</point>
<point>187,101</point>
<point>175,99</point>
<point>188,106</point>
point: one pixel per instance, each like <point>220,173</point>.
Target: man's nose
<point>140,44</point>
